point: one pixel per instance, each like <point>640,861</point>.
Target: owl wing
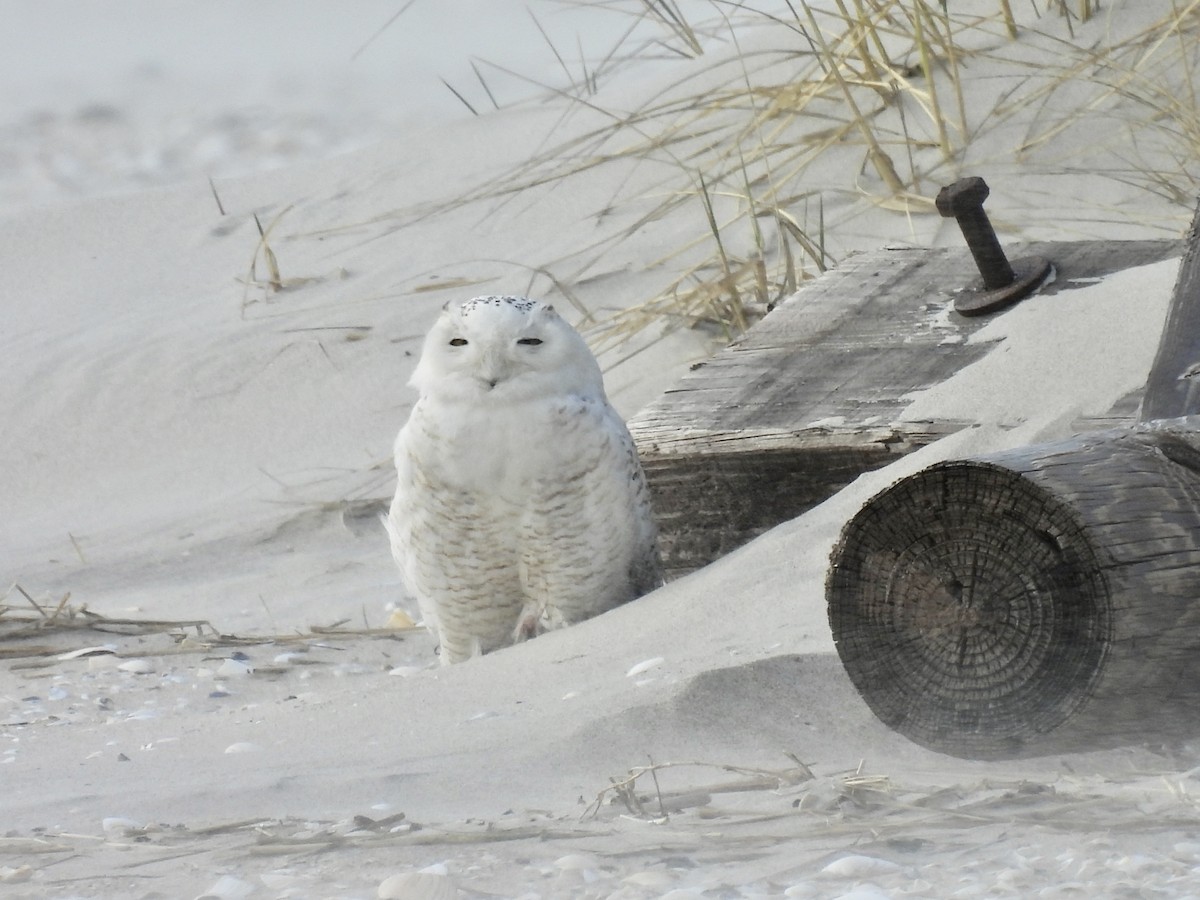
<point>645,572</point>
<point>587,536</point>
<point>454,550</point>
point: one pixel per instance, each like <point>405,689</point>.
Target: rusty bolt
<point>1003,282</point>
<point>963,201</point>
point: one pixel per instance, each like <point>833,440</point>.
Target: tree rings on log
<point>1038,600</point>
<point>969,609</point>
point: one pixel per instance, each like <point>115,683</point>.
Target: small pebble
<point>137,666</point>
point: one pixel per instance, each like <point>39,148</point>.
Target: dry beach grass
<point>702,742</point>
<point>779,144</point>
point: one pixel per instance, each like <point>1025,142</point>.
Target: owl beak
<point>492,373</point>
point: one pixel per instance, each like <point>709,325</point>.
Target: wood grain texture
<point>1173,387</point>
<point>1031,602</point>
<point>814,394</point>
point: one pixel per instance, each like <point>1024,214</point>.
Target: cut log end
<point>969,610</point>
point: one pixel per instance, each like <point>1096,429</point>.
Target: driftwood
<point>814,394</point>
<point>1173,387</point>
<point>1043,599</point>
<point>1031,601</point>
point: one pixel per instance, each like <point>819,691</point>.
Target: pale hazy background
<point>113,96</point>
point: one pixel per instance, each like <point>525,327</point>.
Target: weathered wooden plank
<point>820,386</point>
<point>710,504</point>
<point>1173,387</point>
<point>874,330</point>
<point>1033,601</point>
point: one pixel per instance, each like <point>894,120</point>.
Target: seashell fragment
<point>137,666</point>
<point>858,866</point>
<point>100,650</point>
<point>399,619</point>
<point>644,666</point>
<point>234,668</point>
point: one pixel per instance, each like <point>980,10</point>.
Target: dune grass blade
<point>275,279</point>
<point>879,159</point>
<point>483,83</point>
<point>849,108</point>
<point>461,99</point>
<point>669,15</point>
<point>1010,23</point>
<point>562,63</point>
<point>382,28</point>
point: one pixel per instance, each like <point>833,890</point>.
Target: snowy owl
<point>520,504</point>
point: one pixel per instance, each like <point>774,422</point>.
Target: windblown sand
<point>201,695</point>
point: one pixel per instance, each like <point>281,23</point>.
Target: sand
<point>183,445</point>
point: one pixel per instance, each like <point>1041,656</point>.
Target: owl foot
<point>459,651</point>
<point>528,626</point>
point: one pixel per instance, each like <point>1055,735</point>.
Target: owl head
<point>498,349</point>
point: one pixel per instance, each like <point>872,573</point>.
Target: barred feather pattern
<point>520,504</point>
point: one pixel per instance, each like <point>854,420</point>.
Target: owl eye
<point>529,342</point>
<point>458,342</point>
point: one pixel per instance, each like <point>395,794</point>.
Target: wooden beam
<point>815,394</point>
<point>1173,388</point>
<point>1041,600</point>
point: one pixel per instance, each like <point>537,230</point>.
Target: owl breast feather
<point>504,451</point>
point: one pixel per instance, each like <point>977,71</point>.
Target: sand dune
<point>182,445</point>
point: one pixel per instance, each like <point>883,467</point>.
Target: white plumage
<point>520,504</point>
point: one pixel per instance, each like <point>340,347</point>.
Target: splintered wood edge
<point>655,441</point>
